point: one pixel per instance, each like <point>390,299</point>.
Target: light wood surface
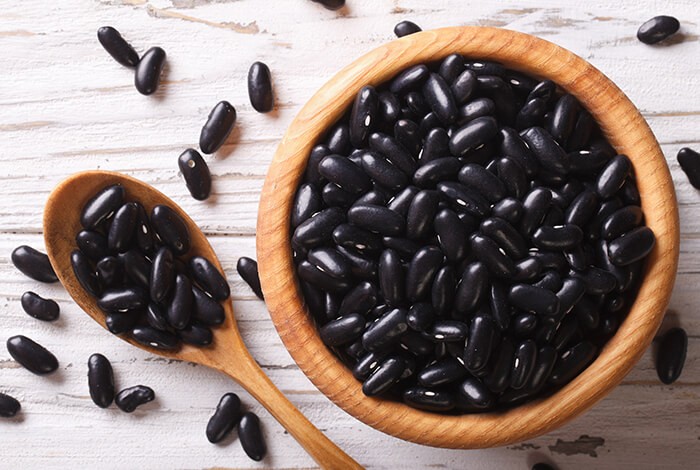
<point>227,353</point>
<point>66,106</point>
<point>627,132</point>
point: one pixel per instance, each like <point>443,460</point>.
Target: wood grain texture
<point>627,132</point>
<point>66,106</point>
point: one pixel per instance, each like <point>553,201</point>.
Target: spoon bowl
<point>227,353</point>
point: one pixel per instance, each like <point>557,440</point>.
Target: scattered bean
<point>148,71</point>
<point>100,380</point>
<point>131,398</point>
<point>40,308</point>
<point>32,356</point>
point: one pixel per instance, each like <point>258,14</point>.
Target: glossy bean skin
<point>171,229</point>
<point>440,98</point>
<point>209,278</point>
<point>9,406</point>
<point>196,173</point>
<point>508,209</point>
<point>307,202</point>
<point>136,266</point>
<point>524,362</point>
<point>156,318</point>
<point>102,206</point>
<point>92,244</point>
<point>217,127</point>
<point>582,208</point>
<point>547,151</point>
<point>179,309</point>
<point>472,287</point>
<point>421,213</point>
<point>393,151</point>
<point>404,28</point>
<point>620,222</point>
<point>260,87</point>
<point>251,436</point>
<point>487,251</point>
<point>131,398</point>
<point>453,235</point>
<point>513,175</point>
<point>563,119</point>
<point>473,134</point>
<point>535,206</point>
<point>100,380</point>
<point>40,308</point>
<point>464,199</point>
<point>514,147</point>
<point>382,171</point>
<point>478,348</point>
<point>377,219</point>
<point>225,418</point>
<point>631,247</point>
<point>357,239</point>
<point>689,161</point>
<point>476,393</point>
<point>386,374</point>
<point>571,291</point>
<point>363,114</point>
<point>432,172</point>
<point>448,331</point>
<point>421,271</point>
<point>148,70</point>
<point>154,338</point>
<point>345,174</point>
<point>31,355</point>
<point>110,271</point>
<point>488,184</point>
<point>33,263</point>
<point>196,335</point>
<point>571,362</point>
<point>498,379</point>
<point>117,47</point>
<point>443,290</point>
<point>342,330</point>
<point>121,230</point>
<point>506,236</point>
<point>162,275</point>
<point>557,238</point>
<point>410,79</point>
<point>387,330</point>
<point>546,357</point>
<point>657,29</point>
<point>85,273</point>
<point>671,355</point>
<point>318,228</point>
<point>534,299</point>
<point>122,299</point>
<point>420,316</point>
<point>119,323</point>
<point>463,87</point>
<point>480,107</point>
<point>205,309</point>
<point>427,399</point>
<point>613,176</point>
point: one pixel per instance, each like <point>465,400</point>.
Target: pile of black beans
<point>465,237</point>
<point>135,266</point>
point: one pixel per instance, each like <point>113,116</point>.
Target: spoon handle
<point>326,454</point>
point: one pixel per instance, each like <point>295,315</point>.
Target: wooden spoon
<point>227,354</point>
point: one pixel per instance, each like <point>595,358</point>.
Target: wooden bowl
<point>627,132</point>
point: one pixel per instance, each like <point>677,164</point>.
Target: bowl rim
<point>625,129</point>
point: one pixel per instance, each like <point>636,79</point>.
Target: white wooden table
<point>66,106</point>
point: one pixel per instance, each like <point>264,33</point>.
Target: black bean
<point>329,5</point>
<point>208,277</point>
<point>571,362</point>
<point>217,128</point>
<point>402,201</point>
<point>531,114</point>
<point>434,171</point>
<point>319,278</point>
<point>30,355</point>
<point>546,357</point>
<point>443,290</point>
<point>404,28</point>
<point>249,431</point>
<point>633,246</point>
<point>179,309</point>
<point>387,330</point>
<point>110,271</point>
<point>613,176</point>
<point>479,107</point>
<point>498,379</point>
<point>448,331</point>
<point>502,95</point>
<point>102,206</point>
<point>435,145</point>
<point>356,238</point>
<point>524,362</point>
<point>559,237</point>
<point>171,229</point>
<point>342,330</point>
<point>440,98</point>
<point>452,235</point>
<point>500,307</point>
<point>363,115</point>
<point>121,231</point>
<point>145,238</point>
<point>40,308</point>
<point>479,344</point>
<point>196,173</point>
<point>260,87</point>
<point>563,119</point>
<point>148,70</point>
<point>544,89</point>
<point>464,199</point>
<point>391,277</point>
<point>473,134</point>
<point>130,398</point>
<point>629,193</point>
<point>377,219</point>
<point>551,280</point>
<point>476,393</point>
<point>318,228</point>
<point>484,67</point>
<point>421,271</point>
<point>597,281</point>
<point>380,170</point>
<point>421,213</point>
<point>9,406</point>
<point>118,323</point>
<point>463,87</point>
<point>657,29</point>
<point>524,324</point>
<point>581,135</point>
<point>388,111</point>
<point>162,275</point>
<point>514,147</point>
<point>386,374</point>
<point>361,299</point>
<point>396,154</point>
<point>420,316</point>
<point>488,252</point>
<point>547,151</point>
<point>225,418</point>
<point>410,79</point>
<point>92,244</point>
<point>156,318</point>
<point>527,269</point>
<point>416,106</point>
<point>443,372</point>
<point>509,209</point>
<point>620,222</point>
<point>671,355</point>
<point>506,236</point>
<point>513,176</point>
<point>427,399</point>
<point>689,161</point>
<point>582,208</point>
<point>488,184</point>
<point>361,266</point>
<point>197,335</point>
<point>100,380</point>
<point>552,260</point>
<point>33,263</point>
<point>154,338</point>
<point>534,299</point>
<point>122,299</point>
<point>472,288</point>
<point>587,313</point>
<point>307,202</point>
<point>605,210</point>
<point>408,136</point>
<point>136,266</point>
<point>572,290</point>
<point>117,47</point>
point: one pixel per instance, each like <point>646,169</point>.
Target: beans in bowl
<point>465,237</point>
